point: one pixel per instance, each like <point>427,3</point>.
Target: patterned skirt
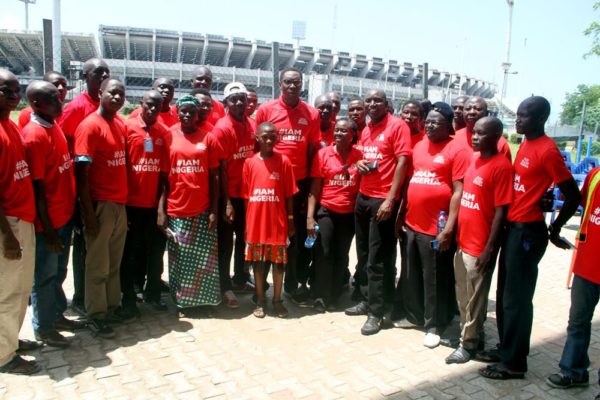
<point>193,262</point>
<point>270,253</point>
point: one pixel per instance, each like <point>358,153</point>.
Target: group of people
<point>286,186</point>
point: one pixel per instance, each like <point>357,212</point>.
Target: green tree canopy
<point>594,31</point>
<point>572,108</point>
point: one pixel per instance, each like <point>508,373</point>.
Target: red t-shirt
<point>217,112</point>
<point>102,143</point>
<point>237,142</point>
<point>167,118</point>
<point>487,185</point>
<point>384,143</point>
<point>538,163</point>
<point>74,112</point>
<point>266,186</point>
<point>50,161</point>
<point>144,167</point>
<point>24,117</point>
<point>436,166</point>
<point>586,258</point>
<point>327,136</point>
<point>464,136</point>
<point>297,128</point>
<point>191,155</point>
<point>16,190</point>
<point>339,187</point>
<point>416,138</point>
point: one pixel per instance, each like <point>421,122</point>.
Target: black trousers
<point>299,257</point>
<point>331,253</point>
<point>143,254</point>
<point>227,248</point>
<point>79,254</point>
<point>521,252</point>
<point>376,253</point>
<point>426,284</point>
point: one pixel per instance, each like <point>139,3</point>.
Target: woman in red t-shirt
<point>335,182</point>
<point>268,187</point>
<point>192,209</point>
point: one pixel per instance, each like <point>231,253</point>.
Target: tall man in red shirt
<point>54,185</point>
<point>236,136</point>
<point>101,175</point>
<point>297,125</point>
<point>17,233</point>
<point>356,112</point>
<point>537,165</point>
<point>385,143</point>
<point>55,78</point>
<point>202,77</point>
<point>458,105</point>
<point>336,100</point>
<point>585,292</point>
<point>167,116</point>
<point>95,71</point>
<point>147,171</point>
<point>487,192</point>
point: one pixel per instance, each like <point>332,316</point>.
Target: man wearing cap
<point>235,134</point>
<point>427,283</point>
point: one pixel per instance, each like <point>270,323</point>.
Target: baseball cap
<point>233,88</point>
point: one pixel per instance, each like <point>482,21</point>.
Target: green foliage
<point>595,148</point>
<point>561,145</point>
<point>593,30</point>
<point>515,139</point>
<point>127,108</point>
<point>505,136</point>
<point>573,106</point>
<point>22,104</point>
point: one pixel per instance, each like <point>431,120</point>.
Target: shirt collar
<point>41,122</point>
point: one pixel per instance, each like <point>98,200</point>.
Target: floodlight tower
<point>298,31</point>
<point>27,3</point>
<point>506,64</point>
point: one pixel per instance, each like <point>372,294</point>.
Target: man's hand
<point>384,211</point>
<point>12,247</point>
<point>161,221</point>
<point>310,226</point>
<point>212,221</point>
<point>482,264</point>
<point>91,225</point>
<point>229,213</point>
<point>362,167</point>
<point>291,228</point>
<point>444,239</point>
<point>53,241</point>
<point>556,239</point>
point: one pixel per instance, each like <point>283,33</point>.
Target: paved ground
<point>309,356</point>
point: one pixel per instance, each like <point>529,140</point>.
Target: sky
<point>460,36</point>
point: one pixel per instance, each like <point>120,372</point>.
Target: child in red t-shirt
<point>268,187</point>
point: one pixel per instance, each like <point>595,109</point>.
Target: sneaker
<point>562,381</point>
<point>359,309</point>
<point>157,305</point>
<point>20,366</point>
<point>371,326</point>
<point>319,305</point>
<point>431,339</point>
<point>122,315</point>
<point>65,324</point>
<point>53,339</point>
<point>301,297</point>
<point>245,287</point>
<point>79,309</point>
<point>164,287</point>
<point>460,356</point>
<point>100,328</point>
<point>453,343</point>
<point>403,323</point>
<point>230,300</point>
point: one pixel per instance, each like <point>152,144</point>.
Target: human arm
<point>213,184</point>
<point>90,221</point>
<point>53,241</point>
<point>289,205</point>
<point>163,193</point>
<point>12,247</point>
<point>444,238</point>
<point>572,200</point>
<point>314,194</point>
<point>482,264</point>
<point>385,209</point>
<point>228,213</point>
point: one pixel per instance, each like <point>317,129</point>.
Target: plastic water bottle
<point>441,224</point>
<point>310,240</point>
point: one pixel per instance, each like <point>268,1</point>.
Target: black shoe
<point>450,342</point>
<point>359,309</point>
<point>65,324</point>
<point>460,356</point>
<point>371,326</point>
<point>319,305</point>
<point>157,305</point>
<point>562,381</point>
<point>100,328</point>
<point>121,315</point>
<point>301,297</point>
<point>28,345</point>
<point>53,339</point>
<point>164,287</point>
<point>78,308</point>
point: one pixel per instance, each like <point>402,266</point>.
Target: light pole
<point>27,3</point>
<point>506,64</point>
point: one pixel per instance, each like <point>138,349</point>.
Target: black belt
<point>523,225</point>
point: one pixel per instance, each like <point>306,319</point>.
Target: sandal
<point>20,366</point>
<point>488,356</point>
<point>259,311</point>
<point>280,310</point>
<point>498,372</point>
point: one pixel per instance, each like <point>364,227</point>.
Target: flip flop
<point>499,373</point>
<point>259,311</point>
<point>280,310</point>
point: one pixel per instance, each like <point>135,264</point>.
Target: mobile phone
<point>372,165</point>
<point>434,244</point>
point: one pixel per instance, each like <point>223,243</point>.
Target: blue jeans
<point>47,296</point>
<point>575,362</point>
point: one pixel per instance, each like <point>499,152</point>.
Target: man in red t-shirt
<point>101,175</point>
<point>252,104</point>
<point>585,292</point>
<point>336,101</point>
<point>55,78</point>
<point>167,115</point>
<point>204,109</point>
<point>17,233</point>
<point>95,71</point>
<point>433,199</point>
<point>325,108</point>
<point>537,165</point>
<point>458,106</point>
<point>385,143</point>
<point>356,112</point>
<point>476,108</point>
<point>147,173</point>
<point>487,192</point>
<point>297,125</point>
<point>236,136</point>
<point>51,169</point>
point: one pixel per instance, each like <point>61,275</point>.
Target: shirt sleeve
<point>260,115</point>
<point>316,170</point>
<point>555,165</point>
<point>223,141</point>
<point>214,151</point>
<point>36,152</point>
<point>503,185</point>
<point>314,133</point>
<point>505,148</point>
<point>288,175</point>
<point>246,178</point>
<point>85,142</point>
<point>70,118</point>
<point>401,139</point>
<point>461,161</point>
<point>24,117</point>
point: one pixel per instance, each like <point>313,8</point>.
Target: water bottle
<point>441,224</point>
<point>310,240</point>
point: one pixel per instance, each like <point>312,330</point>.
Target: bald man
<point>17,233</point>
<point>166,116</point>
<point>55,78</point>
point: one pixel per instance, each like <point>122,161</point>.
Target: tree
<point>594,31</point>
<point>572,108</point>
